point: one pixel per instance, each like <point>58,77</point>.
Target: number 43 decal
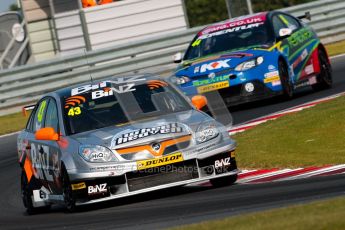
<point>74,111</point>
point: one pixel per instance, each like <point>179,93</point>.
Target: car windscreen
<point>118,105</point>
<point>254,35</point>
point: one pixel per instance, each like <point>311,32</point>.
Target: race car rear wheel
<point>68,196</point>
<point>284,78</point>
<point>224,181</point>
<point>27,194</point>
<point>325,77</point>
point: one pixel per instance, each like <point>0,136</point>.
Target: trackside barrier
<point>328,18</point>
<point>23,85</point>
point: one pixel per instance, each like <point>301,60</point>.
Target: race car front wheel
<point>224,181</point>
<point>325,77</point>
<point>284,78</point>
<point>68,196</point>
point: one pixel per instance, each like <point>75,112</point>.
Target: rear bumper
<point>137,182</point>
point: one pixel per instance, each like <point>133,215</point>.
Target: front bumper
<point>237,94</point>
<point>234,90</point>
<point>142,181</point>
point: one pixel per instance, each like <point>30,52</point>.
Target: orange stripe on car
<point>28,169</point>
<point>164,145</point>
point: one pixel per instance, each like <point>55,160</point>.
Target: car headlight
<point>206,132</point>
<point>249,64</point>
<point>96,153</point>
<point>180,80</point>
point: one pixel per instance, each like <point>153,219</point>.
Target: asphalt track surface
<point>184,205</point>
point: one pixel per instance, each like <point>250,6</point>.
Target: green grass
<point>336,48</point>
<point>327,214</point>
<point>11,123</point>
<point>312,137</point>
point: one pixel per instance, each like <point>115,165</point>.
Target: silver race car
<point>120,137</point>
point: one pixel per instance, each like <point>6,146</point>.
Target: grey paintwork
<point>79,169</point>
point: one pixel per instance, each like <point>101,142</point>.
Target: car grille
<point>176,147</point>
<point>162,175</point>
<point>168,150</point>
<point>230,92</point>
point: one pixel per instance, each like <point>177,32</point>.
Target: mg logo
<point>156,147</point>
<point>212,75</point>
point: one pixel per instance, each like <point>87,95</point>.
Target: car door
<point>291,46</point>
<point>45,154</point>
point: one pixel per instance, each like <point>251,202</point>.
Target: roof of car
<point>234,22</point>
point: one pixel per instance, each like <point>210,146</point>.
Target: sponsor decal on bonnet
<point>146,132</point>
<point>212,66</point>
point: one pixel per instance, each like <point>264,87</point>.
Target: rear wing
<point>27,108</point>
<point>306,15</point>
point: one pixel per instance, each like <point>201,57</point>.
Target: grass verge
<point>317,215</point>
<point>336,48</point>
<point>312,137</point>
<point>12,123</point>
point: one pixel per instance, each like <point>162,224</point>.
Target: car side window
<point>290,22</point>
<point>277,25</point>
<point>39,115</point>
<point>29,124</point>
<point>51,118</point>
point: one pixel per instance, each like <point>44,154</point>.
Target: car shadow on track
<point>277,100</point>
<point>149,196</point>
<point>154,195</point>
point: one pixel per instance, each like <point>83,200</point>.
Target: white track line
<point>337,56</point>
<point>314,173</point>
<point>242,127</point>
<point>265,175</point>
<point>9,134</point>
<point>244,171</point>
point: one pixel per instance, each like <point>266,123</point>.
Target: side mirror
<point>46,134</point>
<point>177,57</point>
<point>284,33</point>
<point>199,101</point>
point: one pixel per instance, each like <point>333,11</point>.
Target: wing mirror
<point>177,57</point>
<point>46,134</point>
<point>199,101</point>
<point>284,33</point>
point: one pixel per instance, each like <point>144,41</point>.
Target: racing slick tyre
<point>284,78</point>
<point>224,181</point>
<point>27,193</point>
<point>68,196</point>
<point>325,77</point>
